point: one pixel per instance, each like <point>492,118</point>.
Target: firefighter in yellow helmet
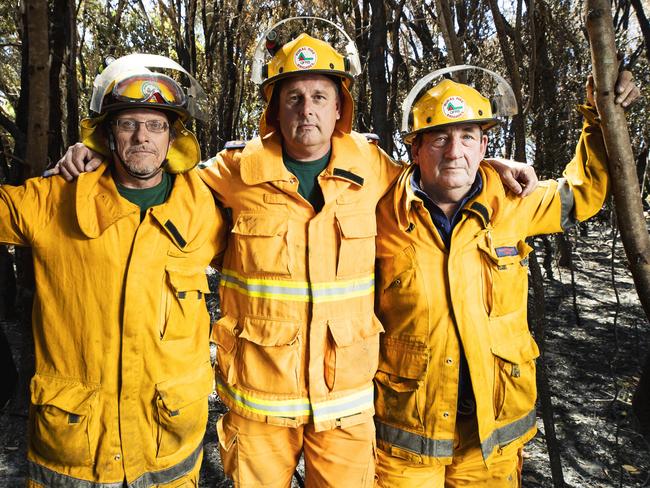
<point>119,396</point>
<point>298,341</point>
<point>455,386</point>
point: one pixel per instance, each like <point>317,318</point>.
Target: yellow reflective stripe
<point>298,291</point>
<point>298,407</point>
<point>344,406</point>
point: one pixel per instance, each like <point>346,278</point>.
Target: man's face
<point>141,150</point>
<point>308,108</point>
<point>449,157</point>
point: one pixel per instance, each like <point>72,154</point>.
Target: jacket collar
<point>98,204</point>
<point>261,160</point>
<point>483,205</point>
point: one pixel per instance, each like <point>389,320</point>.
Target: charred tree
<point>378,43</point>
<point>625,186</point>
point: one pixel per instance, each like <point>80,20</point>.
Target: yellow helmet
<point>305,55</point>
<point>128,83</point>
<point>451,103</point>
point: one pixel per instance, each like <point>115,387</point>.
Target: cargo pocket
<point>183,303</point>
<point>505,277</point>
<point>182,410</point>
<point>62,424</point>
<point>262,244</point>
<point>515,389</point>
<point>399,383</point>
<point>224,335</point>
<point>357,245</point>
<point>352,352</point>
<point>228,449</point>
<point>269,355</point>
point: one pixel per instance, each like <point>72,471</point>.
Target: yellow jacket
<point>429,297</point>
<point>298,340</point>
<point>120,328</point>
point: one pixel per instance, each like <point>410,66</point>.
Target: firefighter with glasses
<point>123,374</point>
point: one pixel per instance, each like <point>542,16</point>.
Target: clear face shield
<point>194,100</point>
<point>502,98</point>
<point>271,36</point>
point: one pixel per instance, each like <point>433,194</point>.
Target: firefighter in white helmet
<point>455,399</point>
<point>122,369</point>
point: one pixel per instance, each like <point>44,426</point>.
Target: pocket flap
<point>356,226</point>
<point>188,280</point>
<point>67,395</point>
<point>518,350</point>
<point>223,332</point>
<point>396,383</point>
<point>504,254</point>
<point>177,393</point>
<point>403,358</point>
<point>265,332</point>
<point>347,331</point>
<point>258,225</point>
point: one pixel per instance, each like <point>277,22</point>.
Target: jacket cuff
<point>590,114</point>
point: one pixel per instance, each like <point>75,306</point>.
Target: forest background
<point>51,51</point>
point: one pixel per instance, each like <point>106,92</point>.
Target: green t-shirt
<point>307,173</point>
<point>148,197</point>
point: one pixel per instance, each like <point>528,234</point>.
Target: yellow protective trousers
<point>467,466</point>
<point>256,454</point>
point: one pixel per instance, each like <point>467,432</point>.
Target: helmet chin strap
<point>116,157</point>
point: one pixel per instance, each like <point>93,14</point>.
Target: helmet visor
<point>151,88</point>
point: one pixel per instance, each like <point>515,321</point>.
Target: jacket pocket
<point>515,388</point>
<point>400,383</point>
<point>505,277</point>
<point>269,356</point>
<point>357,245</point>
<point>63,430</point>
<point>224,335</point>
<point>261,242</point>
<point>182,410</point>
<point>352,352</point>
<point>184,308</point>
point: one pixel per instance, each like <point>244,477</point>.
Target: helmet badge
<point>149,91</point>
<point>453,107</point>
<point>305,57</point>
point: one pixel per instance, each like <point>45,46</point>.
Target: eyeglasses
<point>130,125</point>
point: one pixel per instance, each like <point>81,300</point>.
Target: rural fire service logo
<point>453,107</point>
<point>305,57</point>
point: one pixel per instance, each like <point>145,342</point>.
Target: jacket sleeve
<point>24,210</point>
<point>560,204</point>
<point>215,172</point>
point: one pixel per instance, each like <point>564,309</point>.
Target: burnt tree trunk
<point>625,184</point>
<point>377,71</point>
<point>543,387</point>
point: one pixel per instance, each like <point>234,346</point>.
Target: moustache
<point>141,148</point>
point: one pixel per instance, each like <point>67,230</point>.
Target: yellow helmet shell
<point>302,55</point>
<point>306,55</point>
<point>450,103</point>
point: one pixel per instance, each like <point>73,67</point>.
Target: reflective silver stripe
<point>52,479</point>
<point>444,448</point>
<point>414,442</point>
<point>568,215</point>
<point>508,433</point>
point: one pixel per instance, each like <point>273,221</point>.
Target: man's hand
<point>520,178</point>
<point>626,90</point>
<point>77,159</point>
